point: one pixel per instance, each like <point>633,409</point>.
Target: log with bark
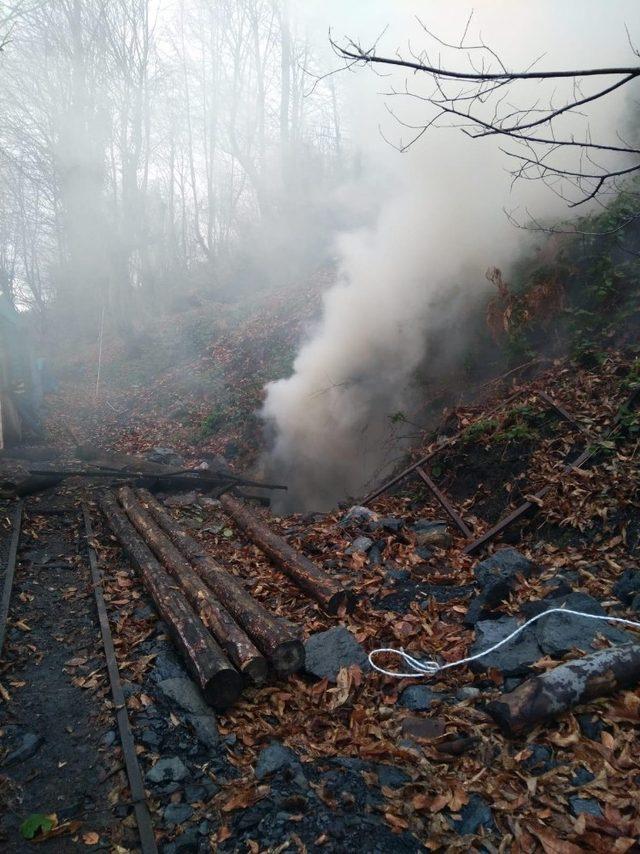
<point>219,682</point>
<point>271,636</point>
<point>229,635</point>
<point>546,696</point>
<point>328,592</point>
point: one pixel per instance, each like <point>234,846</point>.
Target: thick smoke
<point>436,233</point>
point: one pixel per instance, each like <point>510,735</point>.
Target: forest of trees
<point>143,146</point>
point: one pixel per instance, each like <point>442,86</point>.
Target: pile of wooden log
<point>226,637</point>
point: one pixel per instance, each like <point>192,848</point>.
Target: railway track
<point>64,716</point>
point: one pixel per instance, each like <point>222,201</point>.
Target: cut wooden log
<point>219,682</point>
<point>330,594</point>
<point>275,640</point>
<point>554,692</point>
<point>229,635</point>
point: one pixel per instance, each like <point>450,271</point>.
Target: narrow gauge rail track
<point>134,774</point>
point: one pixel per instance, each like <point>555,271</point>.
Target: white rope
<point>431,667</point>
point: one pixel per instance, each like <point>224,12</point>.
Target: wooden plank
<point>136,783</point>
<point>443,501</point>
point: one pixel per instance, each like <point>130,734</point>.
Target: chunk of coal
<point>512,659</point>
<point>327,652</point>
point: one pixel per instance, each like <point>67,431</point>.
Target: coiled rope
<point>430,667</point>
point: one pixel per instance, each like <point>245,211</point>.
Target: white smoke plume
<point>438,230</point>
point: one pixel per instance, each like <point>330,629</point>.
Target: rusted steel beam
<point>442,499</point>
<point>10,573</point>
<point>560,410</point>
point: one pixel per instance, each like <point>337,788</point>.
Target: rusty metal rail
<point>446,505</point>
<point>10,573</point>
<point>136,784</point>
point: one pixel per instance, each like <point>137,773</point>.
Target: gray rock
<point>205,728</point>
<point>170,769</point>
<point>357,515</point>
<point>585,805</point>
<point>29,746</point>
<point>359,545</point>
<point>188,842</point>
<point>391,777</point>
<point>185,693</point>
<point>432,533</point>
<point>166,456</point>
<point>582,777</point>
<point>150,738</point>
<point>390,523</point>
<point>473,815</point>
<point>327,652</point>
<point>375,555</point>
<point>277,757</point>
<point>166,665</point>
<point>505,563</point>
<point>627,586</point>
<point>193,793</point>
<point>417,697</point>
<point>515,657</point>
<point>177,814</point>
<point>467,692</point>
<point>109,738</point>
<point>635,604</point>
<point>560,633</point>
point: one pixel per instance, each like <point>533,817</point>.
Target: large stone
<point>360,545</point>
<point>205,728</point>
<point>277,757</point>
<point>512,659</point>
<point>557,634</point>
<point>166,456</point>
<point>327,652</point>
<point>170,769</point>
<point>29,746</point>
<point>185,693</point>
<point>357,515</point>
<point>432,533</point>
<point>627,586</point>
<point>391,777</point>
<point>493,595</point>
<point>505,563</point>
<point>497,577</point>
<point>473,815</point>
<point>177,814</point>
<point>417,697</point>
